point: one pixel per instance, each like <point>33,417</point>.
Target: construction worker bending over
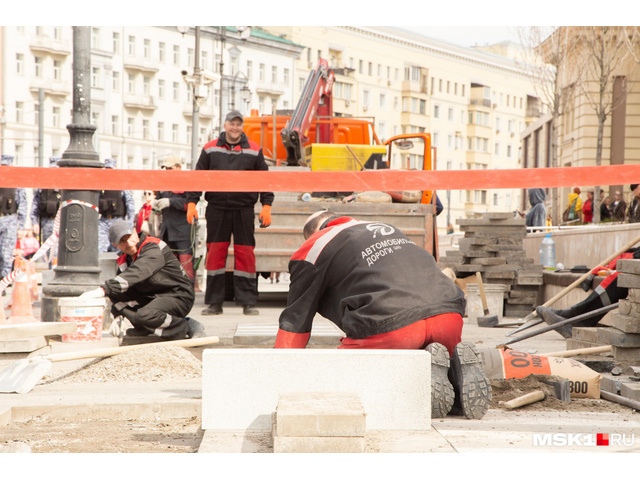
<point>151,289</point>
<point>385,292</point>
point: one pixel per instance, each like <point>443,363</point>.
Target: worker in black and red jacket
<point>383,291</point>
<point>232,213</point>
<point>606,293</point>
<point>151,289</point>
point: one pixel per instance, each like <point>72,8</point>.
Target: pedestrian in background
<point>618,207</point>
<point>605,208</point>
<point>633,215</point>
<point>175,229</point>
<point>147,220</point>
<point>44,207</point>
<point>537,214</point>
<point>587,207</point>
<point>573,212</point>
<point>13,214</point>
<point>113,205</point>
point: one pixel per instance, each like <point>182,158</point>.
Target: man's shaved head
<point>313,223</point>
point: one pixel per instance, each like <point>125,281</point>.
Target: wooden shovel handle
<point>108,352</point>
<point>485,307</point>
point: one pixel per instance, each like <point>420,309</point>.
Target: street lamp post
<point>245,91</point>
<point>78,267</point>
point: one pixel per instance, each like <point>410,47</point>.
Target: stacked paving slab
<point>623,335</point>
<point>319,422</point>
<point>493,245</point>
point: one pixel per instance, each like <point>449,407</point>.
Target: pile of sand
<point>151,364</point>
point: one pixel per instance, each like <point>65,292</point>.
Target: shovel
<point>23,375</point>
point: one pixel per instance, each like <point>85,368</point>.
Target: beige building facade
<point>473,103</point>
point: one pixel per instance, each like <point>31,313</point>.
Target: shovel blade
<point>23,375</point>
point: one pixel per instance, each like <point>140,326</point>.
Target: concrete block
<point>628,280</point>
<point>631,390</point>
<point>240,387</point>
<point>628,266</point>
<point>625,323</point>
<point>586,334</point>
<point>318,445</point>
<point>613,336</point>
<point>488,261</point>
<point>22,345</point>
<point>634,295</point>
<point>574,344</point>
<point>320,414</point>
<point>499,216</point>
<point>626,355</point>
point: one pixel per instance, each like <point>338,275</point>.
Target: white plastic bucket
<point>495,300</point>
<point>88,314</point>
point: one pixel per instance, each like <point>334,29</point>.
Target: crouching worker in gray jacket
<point>151,289</point>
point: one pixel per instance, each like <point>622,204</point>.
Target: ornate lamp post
<point>78,267</point>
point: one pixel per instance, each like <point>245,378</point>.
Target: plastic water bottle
<point>306,197</point>
<point>548,253</point>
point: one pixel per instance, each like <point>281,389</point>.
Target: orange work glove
<point>192,213</point>
<point>265,216</point>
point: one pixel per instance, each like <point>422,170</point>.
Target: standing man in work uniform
<point>44,207</point>
<point>176,230</point>
<point>151,289</point>
<point>13,214</point>
<point>112,205</point>
<point>384,291</point>
<point>232,213</point>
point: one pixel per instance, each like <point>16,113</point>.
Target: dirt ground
<point>164,363</point>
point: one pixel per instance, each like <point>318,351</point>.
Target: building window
<point>20,63</point>
<point>147,48</point>
<point>383,101</point>
<point>56,117</point>
<point>204,60</point>
<point>190,55</point>
<point>95,38</point>
<point>131,46</point>
<point>115,124</point>
<point>95,77</point>
<point>115,81</point>
<point>286,76</point>
<point>175,133</point>
<point>161,89</point>
<point>56,70</point>
<point>131,85</point>
<point>130,126</point>
<point>161,51</point>
<point>261,72</point>
<point>436,111</point>
<point>450,114</point>
<point>176,55</point>
<point>496,149</point>
<point>161,131</point>
<point>370,69</point>
<point>274,74</point>
<point>250,70</point>
<point>38,66</point>
<point>360,66</point>
<point>115,42</point>
<point>509,151</point>
<point>463,90</point>
<point>146,86</point>
<point>145,129</point>
<point>176,91</point>
<point>19,112</point>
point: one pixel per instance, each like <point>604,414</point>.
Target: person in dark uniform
<point>151,289</point>
<point>13,214</point>
<point>232,214</point>
<point>112,205</point>
<point>175,229</point>
<point>383,291</point>
<point>44,207</point>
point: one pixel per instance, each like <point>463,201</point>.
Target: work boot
<point>213,309</point>
<point>196,329</point>
<point>250,310</point>
<point>442,394</point>
<point>471,385</point>
<point>552,316</point>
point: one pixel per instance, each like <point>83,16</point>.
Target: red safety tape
<point>68,178</point>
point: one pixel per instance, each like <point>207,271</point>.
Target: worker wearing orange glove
<point>232,213</point>
<point>176,230</point>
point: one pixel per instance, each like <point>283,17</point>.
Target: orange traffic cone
<point>21,311</point>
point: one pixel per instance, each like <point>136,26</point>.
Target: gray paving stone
<point>626,355</point>
<point>628,266</point>
<point>318,445</point>
<point>615,337</point>
<point>631,390</point>
<point>629,280</point>
<point>625,323</point>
